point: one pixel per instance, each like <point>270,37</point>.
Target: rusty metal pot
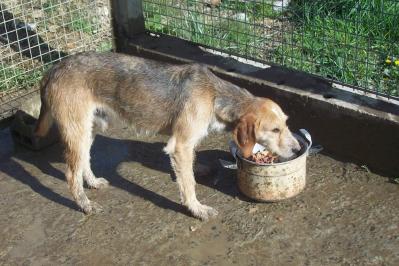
<point>277,181</point>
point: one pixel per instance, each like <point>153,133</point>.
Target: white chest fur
<point>216,126</point>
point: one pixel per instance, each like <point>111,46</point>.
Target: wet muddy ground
<point>345,216</point>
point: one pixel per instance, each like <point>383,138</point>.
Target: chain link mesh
<point>353,42</point>
<point>35,34</point>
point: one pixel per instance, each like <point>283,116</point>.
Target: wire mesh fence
<point>354,42</point>
<point>36,33</point>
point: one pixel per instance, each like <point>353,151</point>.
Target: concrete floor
<point>345,216</point>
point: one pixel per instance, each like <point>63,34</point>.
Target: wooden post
<point>127,20</point>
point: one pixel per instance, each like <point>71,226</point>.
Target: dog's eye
<point>276,130</point>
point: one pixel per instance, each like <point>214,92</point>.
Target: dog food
<point>262,157</point>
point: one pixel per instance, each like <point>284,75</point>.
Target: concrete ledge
<point>351,127</point>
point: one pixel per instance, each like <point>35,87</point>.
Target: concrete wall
<point>350,127</point>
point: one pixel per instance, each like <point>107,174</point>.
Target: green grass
<point>80,23</point>
<point>78,19</point>
<point>104,46</point>
<point>14,77</point>
<point>51,6</point>
<point>213,27</point>
<point>62,16</point>
<point>345,40</point>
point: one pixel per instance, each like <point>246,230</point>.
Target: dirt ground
<point>345,216</point>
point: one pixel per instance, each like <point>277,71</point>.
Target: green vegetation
<point>78,20</point>
<point>349,41</point>
<point>15,77</point>
<point>65,26</point>
<point>234,26</point>
<point>355,42</point>
<point>51,6</point>
<point>104,46</point>
<point>80,23</point>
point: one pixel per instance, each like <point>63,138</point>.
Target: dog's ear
<point>244,134</point>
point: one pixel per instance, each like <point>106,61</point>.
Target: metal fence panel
<point>36,33</point>
<point>355,42</point>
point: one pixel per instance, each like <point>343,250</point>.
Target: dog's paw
<point>92,208</point>
<point>98,183</point>
<point>203,212</point>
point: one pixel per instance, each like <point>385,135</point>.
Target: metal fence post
<point>128,20</point>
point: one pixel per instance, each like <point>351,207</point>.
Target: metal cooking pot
<point>277,181</point>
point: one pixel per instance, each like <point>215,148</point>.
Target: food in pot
<point>262,157</point>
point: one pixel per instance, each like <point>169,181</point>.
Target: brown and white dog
<point>183,101</point>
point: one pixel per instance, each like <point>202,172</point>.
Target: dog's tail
<point>44,123</point>
<point>45,120</point>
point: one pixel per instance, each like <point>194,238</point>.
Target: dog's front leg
<point>182,158</point>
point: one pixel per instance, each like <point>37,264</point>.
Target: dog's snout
<point>296,149</point>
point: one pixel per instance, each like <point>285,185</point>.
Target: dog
<point>185,102</point>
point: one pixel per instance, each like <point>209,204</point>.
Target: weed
<point>15,77</point>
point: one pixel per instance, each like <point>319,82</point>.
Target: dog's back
<point>146,93</point>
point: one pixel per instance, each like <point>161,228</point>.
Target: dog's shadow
<point>108,153</point>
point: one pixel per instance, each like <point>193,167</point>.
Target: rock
<point>32,105</point>
<point>280,5</point>
<point>241,16</point>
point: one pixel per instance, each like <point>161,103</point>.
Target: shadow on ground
<point>107,154</point>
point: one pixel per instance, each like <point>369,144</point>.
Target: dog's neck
<point>231,103</point>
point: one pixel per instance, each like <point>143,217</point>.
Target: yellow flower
<point>397,63</point>
<point>388,61</point>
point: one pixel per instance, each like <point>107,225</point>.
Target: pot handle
<point>233,149</point>
<point>307,136</point>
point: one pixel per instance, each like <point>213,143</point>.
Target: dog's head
<point>265,123</point>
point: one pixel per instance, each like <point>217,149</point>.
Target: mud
<point>345,215</point>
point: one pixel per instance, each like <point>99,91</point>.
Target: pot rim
<point>306,144</point>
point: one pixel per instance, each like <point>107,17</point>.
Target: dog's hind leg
<point>76,133</point>
<point>91,180</point>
